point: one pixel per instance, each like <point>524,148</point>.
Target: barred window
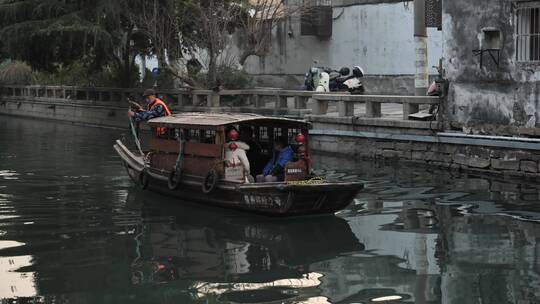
<point>528,31</point>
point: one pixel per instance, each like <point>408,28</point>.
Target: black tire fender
<point>144,179</point>
<point>210,182</point>
<point>174,180</point>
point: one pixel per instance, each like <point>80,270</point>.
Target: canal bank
<point>494,155</point>
<point>342,129</point>
<point>110,115</point>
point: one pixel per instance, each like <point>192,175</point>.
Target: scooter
<point>324,83</point>
<point>313,76</point>
<point>338,81</point>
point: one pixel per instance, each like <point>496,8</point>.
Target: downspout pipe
<point>421,79</point>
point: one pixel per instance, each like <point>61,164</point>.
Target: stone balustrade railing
<point>345,104</point>
<point>257,98</point>
<point>82,93</point>
<point>277,100</point>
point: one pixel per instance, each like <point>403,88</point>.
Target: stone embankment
<point>499,156</point>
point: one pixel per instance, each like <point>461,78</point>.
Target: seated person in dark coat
<point>275,169</point>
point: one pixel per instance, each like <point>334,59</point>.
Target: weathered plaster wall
<point>377,36</point>
<point>493,99</point>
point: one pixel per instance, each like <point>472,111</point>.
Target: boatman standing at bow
<point>155,107</point>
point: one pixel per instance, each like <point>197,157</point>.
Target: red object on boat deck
<point>300,138</point>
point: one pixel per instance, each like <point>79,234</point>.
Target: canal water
<point>74,229</point>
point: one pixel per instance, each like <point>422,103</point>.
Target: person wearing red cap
<point>235,154</point>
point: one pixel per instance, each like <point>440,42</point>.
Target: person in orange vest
<point>155,107</point>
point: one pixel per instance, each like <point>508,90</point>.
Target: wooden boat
<point>200,173</point>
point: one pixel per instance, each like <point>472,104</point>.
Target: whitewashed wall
<point>379,37</point>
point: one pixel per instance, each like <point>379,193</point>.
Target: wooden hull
<point>280,199</point>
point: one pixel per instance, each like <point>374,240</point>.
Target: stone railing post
<point>281,101</point>
<point>408,109</point>
<point>257,101</point>
<point>345,108</point>
<point>320,107</point>
<point>373,109</point>
<point>180,100</point>
<point>213,99</point>
<point>195,99</point>
<point>300,102</point>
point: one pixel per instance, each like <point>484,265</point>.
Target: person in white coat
<point>235,157</point>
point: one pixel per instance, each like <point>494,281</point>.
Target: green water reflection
<point>73,229</point>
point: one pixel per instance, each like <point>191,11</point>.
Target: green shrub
<point>227,78</point>
<point>231,78</point>
<point>78,74</point>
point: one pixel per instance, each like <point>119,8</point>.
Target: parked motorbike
<point>324,83</point>
<point>338,81</point>
<point>313,76</point>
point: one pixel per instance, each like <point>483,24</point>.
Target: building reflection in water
<point>470,239</point>
<point>495,258</point>
<point>15,283</point>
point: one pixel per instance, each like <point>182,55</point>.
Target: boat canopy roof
<point>217,120</point>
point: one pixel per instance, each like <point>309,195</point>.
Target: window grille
<point>278,133</point>
<point>316,18</point>
<point>263,133</point>
<point>209,136</point>
<point>292,135</point>
<point>528,32</point>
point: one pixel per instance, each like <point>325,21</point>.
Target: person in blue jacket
<point>275,169</point>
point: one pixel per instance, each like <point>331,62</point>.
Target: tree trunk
<point>244,56</point>
<point>212,67</point>
<point>162,61</point>
<point>127,81</point>
<point>127,66</point>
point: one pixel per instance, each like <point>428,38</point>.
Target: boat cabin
<point>203,138</point>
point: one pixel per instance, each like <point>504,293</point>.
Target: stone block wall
<point>112,116</point>
<point>490,160</point>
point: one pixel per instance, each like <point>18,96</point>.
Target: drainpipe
<point>421,79</point>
